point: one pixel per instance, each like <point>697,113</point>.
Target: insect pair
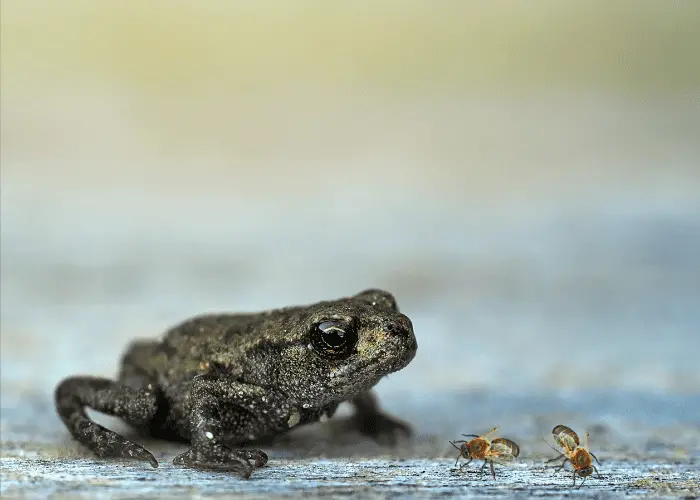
<point>580,457</point>
<point>498,449</point>
<point>502,449</point>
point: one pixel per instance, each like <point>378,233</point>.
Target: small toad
<point>223,381</point>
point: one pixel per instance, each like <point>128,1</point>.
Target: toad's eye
<point>333,339</point>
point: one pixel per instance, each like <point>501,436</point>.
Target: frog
<point>224,382</point>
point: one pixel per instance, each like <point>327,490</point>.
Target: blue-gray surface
<point>532,307</point>
<point>647,444</point>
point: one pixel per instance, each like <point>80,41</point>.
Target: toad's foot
<point>372,422</point>
<point>382,428</point>
<point>236,461</point>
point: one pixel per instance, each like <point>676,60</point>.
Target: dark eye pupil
<point>332,335</point>
<point>334,339</point>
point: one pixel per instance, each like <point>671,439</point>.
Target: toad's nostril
<point>399,325</point>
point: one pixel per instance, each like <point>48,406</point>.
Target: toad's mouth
<point>363,373</point>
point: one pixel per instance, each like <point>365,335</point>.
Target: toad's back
<point>187,345</point>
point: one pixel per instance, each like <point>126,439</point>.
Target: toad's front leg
<point>372,422</point>
<point>225,414</point>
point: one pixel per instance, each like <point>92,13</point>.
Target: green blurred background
<point>190,47</point>
<point>92,88</point>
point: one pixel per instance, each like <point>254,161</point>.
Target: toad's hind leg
<point>135,406</point>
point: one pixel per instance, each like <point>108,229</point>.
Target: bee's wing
<point>502,450</point>
<point>566,441</point>
<point>566,437</point>
<point>502,443</point>
<point>566,430</point>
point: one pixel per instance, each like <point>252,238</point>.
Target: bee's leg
<point>574,477</point>
<point>470,435</point>
<point>596,458</point>
<point>454,443</point>
<point>466,463</point>
<point>584,480</point>
<point>562,466</point>
<point>493,471</point>
<point>596,471</point>
<point>481,475</point>
<point>555,458</point>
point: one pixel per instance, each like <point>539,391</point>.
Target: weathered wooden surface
<point>647,445</point>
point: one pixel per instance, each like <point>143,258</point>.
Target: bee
<point>579,456</point>
<point>480,447</point>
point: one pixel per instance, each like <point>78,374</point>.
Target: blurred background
<point>523,177</point>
